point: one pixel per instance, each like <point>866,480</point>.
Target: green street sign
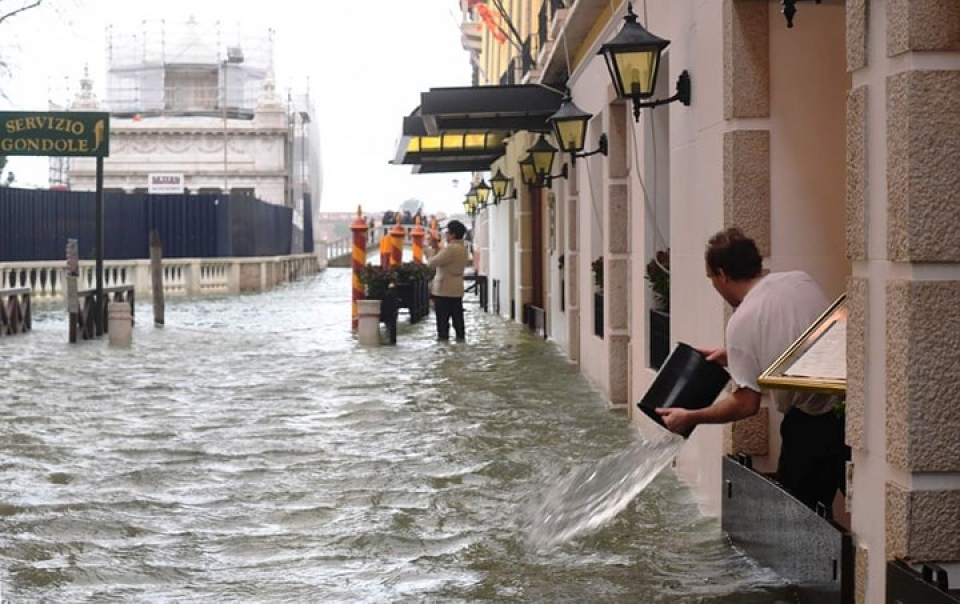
<point>55,133</point>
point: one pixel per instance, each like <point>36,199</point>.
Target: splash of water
<point>591,495</point>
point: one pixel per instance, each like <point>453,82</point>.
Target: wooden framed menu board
<point>817,361</point>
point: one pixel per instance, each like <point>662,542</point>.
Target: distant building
<point>194,113</point>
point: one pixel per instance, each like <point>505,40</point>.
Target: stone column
<point>903,235</point>
<point>746,161</point>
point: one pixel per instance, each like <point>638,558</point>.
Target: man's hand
<point>677,419</point>
<point>718,355</point>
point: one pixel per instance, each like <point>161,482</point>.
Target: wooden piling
<point>156,277</point>
<point>73,296</point>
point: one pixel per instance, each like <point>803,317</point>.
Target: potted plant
<point>658,275</point>
<point>411,272</point>
<point>596,267</point>
<point>377,280</point>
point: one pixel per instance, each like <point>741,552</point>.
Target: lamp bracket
<point>789,10</point>
<point>602,147</point>
<point>682,95</point>
<point>546,180</point>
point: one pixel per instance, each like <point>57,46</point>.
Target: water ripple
<point>251,451</point>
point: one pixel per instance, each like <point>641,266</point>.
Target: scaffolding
<point>186,68</point>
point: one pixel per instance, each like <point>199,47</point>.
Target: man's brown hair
<point>734,253</point>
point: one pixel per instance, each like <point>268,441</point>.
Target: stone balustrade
<point>181,276</point>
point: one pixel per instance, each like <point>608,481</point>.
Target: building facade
<point>830,133</point>
<point>195,110</point>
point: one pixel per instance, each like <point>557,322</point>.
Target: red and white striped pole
<point>360,230</point>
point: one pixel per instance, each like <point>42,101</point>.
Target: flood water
<point>251,451</point>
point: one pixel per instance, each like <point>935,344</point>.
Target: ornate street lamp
<point>570,127</point>
<point>541,156</point>
<point>483,193</point>
<point>470,203</point>
<point>499,183</point>
<point>528,173</point>
<point>633,60</point>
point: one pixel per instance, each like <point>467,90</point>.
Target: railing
<point>47,281</point>
<point>339,252</point>
<point>339,248</point>
<point>548,11</point>
<point>528,51</point>
<point>509,76</point>
<point>86,323</point>
<point>15,312</point>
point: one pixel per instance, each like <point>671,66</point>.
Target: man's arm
<point>743,403</point>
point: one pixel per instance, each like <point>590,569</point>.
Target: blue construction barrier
<point>35,225</point>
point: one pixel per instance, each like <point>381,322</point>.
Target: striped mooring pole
<point>416,235</point>
<point>385,250</point>
<point>360,229</point>
<point>397,235</point>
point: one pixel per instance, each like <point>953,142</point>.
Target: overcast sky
<point>365,62</point>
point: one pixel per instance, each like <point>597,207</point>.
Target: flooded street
<point>251,451</point>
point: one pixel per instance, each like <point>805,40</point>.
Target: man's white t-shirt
<point>770,318</point>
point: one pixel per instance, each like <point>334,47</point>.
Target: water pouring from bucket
<point>591,495</point>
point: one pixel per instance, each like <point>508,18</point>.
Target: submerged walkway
<point>252,451</point>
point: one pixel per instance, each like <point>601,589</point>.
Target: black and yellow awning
<point>464,129</point>
<point>461,152</point>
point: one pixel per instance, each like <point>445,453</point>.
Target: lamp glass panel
<point>483,192</point>
<point>499,184</point>
<point>636,71</point>
<point>528,173</point>
<point>543,160</point>
<point>571,134</point>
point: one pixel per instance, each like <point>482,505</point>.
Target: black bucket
<point>687,380</point>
